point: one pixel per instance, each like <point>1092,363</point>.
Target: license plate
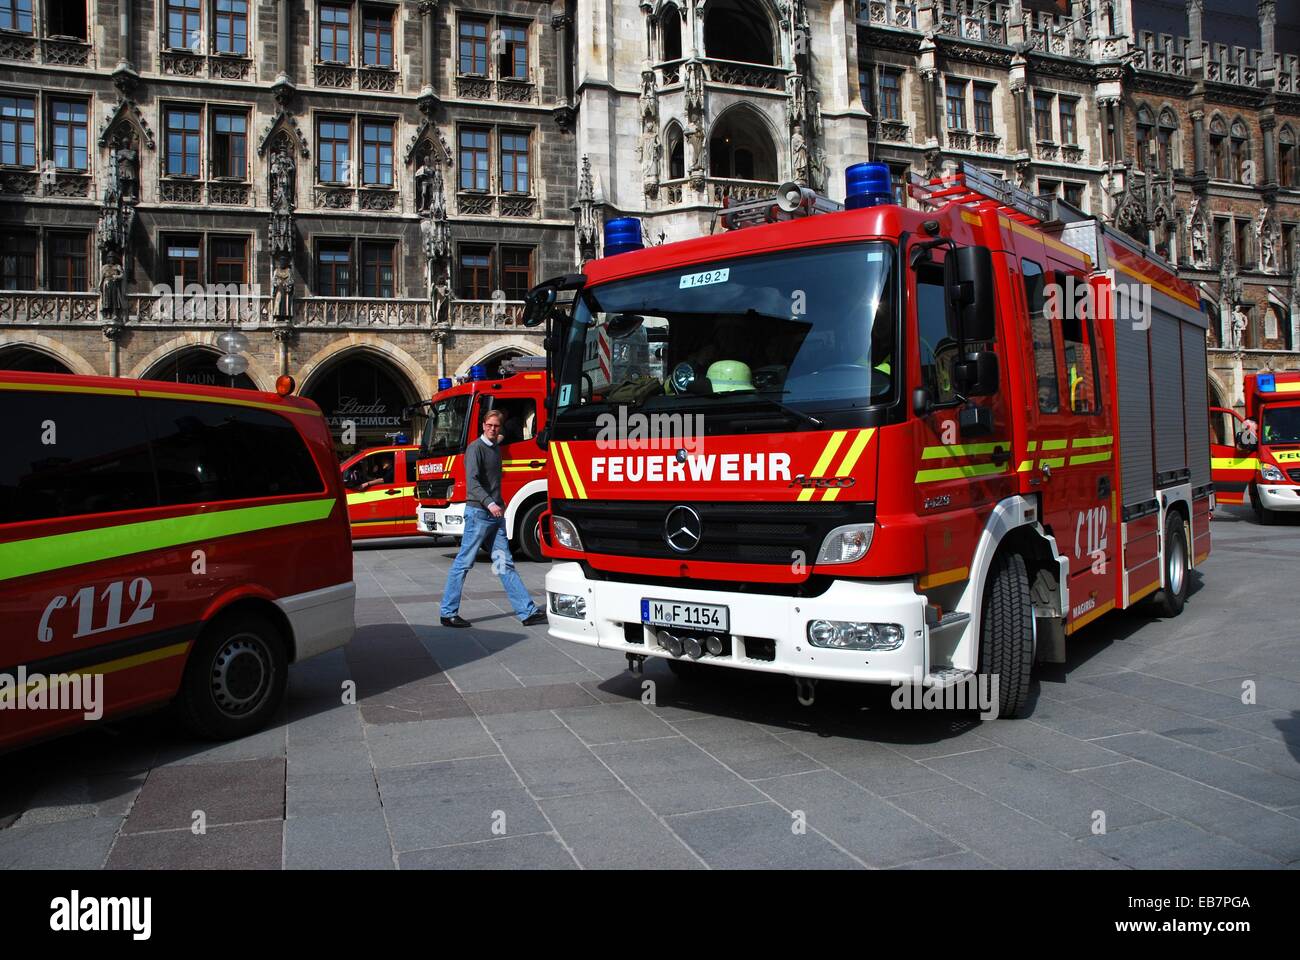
<point>696,616</point>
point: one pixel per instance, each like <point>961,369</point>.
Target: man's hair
<point>497,414</point>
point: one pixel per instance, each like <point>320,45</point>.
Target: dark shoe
<point>534,618</point>
<point>456,621</point>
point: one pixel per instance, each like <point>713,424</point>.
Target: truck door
<point>521,459</point>
<point>1076,446</point>
<point>373,496</point>
<point>958,477</point>
<point>404,523</point>
<point>1231,468</point>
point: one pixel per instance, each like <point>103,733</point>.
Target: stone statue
<point>799,151</point>
<point>1266,240</point>
<point>125,157</point>
<point>424,184</point>
<point>650,151</point>
<point>282,290</point>
<point>282,177</point>
<point>1199,252</point>
<point>112,291</point>
<point>695,140</point>
<point>694,87</point>
<point>1238,327</point>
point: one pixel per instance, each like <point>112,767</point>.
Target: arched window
<point>1240,151</point>
<point>1145,134</point>
<point>1218,148</point>
<point>735,30</point>
<point>741,149</point>
<point>675,149</point>
<point>1287,173</point>
<point>670,34</point>
<point>1167,140</point>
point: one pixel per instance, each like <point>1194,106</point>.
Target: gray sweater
<point>483,473</point>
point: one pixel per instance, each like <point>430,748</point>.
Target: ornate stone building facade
<point>365,188</point>
<point>387,177</point>
<point>699,100</point>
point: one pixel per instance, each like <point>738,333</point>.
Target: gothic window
<point>67,257</point>
<point>229,259</point>
<point>472,59</point>
<point>377,37</point>
<point>66,18</point>
<point>182,126</point>
<point>378,268</point>
<point>377,153</point>
<point>513,59</point>
<point>18,261</point>
<point>334,268</point>
<point>1145,137</point>
<point>1242,246</point>
<point>474,159</point>
<point>734,30</point>
<point>740,149</point>
<point>955,104</point>
<point>670,34</point>
<point>230,27</point>
<point>676,152</point>
<point>68,134</point>
<point>1219,149</point>
<point>1240,151</point>
<point>475,272</point>
<point>17,131</point>
<point>1043,116</point>
<point>334,37</point>
<point>334,150</point>
<point>184,254</point>
<point>516,271</point>
<point>1067,110</point>
<point>1287,163</point>
<point>16,15</point>
<point>514,161</point>
<point>890,97</point>
<point>230,144</point>
<point>983,108</point>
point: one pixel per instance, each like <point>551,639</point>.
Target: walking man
<point>485,519</point>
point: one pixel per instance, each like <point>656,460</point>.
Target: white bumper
<point>759,616</point>
<point>321,619</point>
<point>1278,496</point>
<point>448,521</point>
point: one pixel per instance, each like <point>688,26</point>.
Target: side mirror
<point>968,277</point>
<point>977,374</point>
<point>544,437</point>
<point>623,325</point>
<point>537,305</point>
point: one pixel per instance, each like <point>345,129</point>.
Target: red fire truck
<point>910,446</point>
<point>381,492</point>
<point>1258,457</point>
<point>455,416</point>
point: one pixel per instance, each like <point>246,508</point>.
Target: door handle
<point>392,493</point>
<point>1103,488</point>
<point>1000,456</point>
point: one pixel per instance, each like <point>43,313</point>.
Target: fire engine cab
<point>455,418</point>
<point>895,446</point>
<point>1258,457</point>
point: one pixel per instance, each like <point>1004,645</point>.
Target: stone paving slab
<point>497,748</point>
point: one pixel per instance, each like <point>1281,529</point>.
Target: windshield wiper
<point>753,400</point>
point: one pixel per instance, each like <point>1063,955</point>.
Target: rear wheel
<point>234,680</point>
<point>1007,633</point>
<point>530,532</point>
<point>1169,601</point>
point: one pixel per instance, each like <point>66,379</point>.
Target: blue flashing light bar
<point>478,372</point>
<point>444,383</point>
<point>622,235</point>
<point>1266,383</point>
<point>867,185</point>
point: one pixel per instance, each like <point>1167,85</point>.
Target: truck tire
<point>527,533</point>
<point>1263,514</point>
<point>235,677</point>
<point>1169,601</point>
<point>1007,632</point>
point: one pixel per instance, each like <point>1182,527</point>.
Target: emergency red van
<point>1256,458</point>
<point>381,492</point>
<point>455,419</point>
<point>163,542</point>
<point>884,444</point>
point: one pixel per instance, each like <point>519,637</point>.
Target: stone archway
<point>498,350</point>
<point>149,366</point>
<point>365,395</point>
<point>35,347</point>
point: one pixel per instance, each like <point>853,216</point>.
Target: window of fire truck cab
<point>811,329</point>
<point>1280,425</point>
<point>444,431</point>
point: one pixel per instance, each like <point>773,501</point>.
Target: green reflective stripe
<point>21,558</point>
<point>957,473</point>
<point>1055,444</point>
<point>961,450</point>
<point>1093,441</point>
<point>1033,445</point>
<point>1089,458</point>
<point>1052,462</point>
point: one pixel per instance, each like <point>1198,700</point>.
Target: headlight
<point>566,534</point>
<point>850,635</point>
<point>846,544</point>
<point>568,605</point>
<point>1271,473</point>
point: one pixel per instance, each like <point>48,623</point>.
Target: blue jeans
<point>479,526</point>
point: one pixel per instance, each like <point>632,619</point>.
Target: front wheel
<point>1007,633</point>
<point>1262,513</point>
<point>530,532</point>
<point>235,678</point>
<point>1169,601</point>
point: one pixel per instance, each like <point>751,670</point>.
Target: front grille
<point>434,489</point>
<point>1294,474</point>
<point>768,533</point>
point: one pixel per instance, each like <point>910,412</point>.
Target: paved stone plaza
<point>496,748</point>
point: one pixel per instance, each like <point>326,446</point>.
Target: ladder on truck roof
<point>981,190</point>
<point>521,364</point>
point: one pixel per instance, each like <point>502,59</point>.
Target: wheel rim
<point>242,672</point>
<point>1177,567</point>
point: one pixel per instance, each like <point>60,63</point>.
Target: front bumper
<point>1278,496</point>
<point>781,619</point>
<point>448,521</point>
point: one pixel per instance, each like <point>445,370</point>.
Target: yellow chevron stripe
<point>1052,462</point>
<point>1033,445</point>
<point>961,450</point>
<point>850,460</point>
<point>1025,466</point>
<point>823,461</point>
<point>559,473</point>
<point>575,475</point>
<point>1055,444</point>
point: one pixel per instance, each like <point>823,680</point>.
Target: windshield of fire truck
<point>1280,425</point>
<point>812,331</point>
<point>444,431</point>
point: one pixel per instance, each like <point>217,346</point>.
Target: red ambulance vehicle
<point>455,419</point>
<point>1258,458</point>
<point>162,542</point>
<point>911,446</point>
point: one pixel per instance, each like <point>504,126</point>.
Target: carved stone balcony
<point>228,194</point>
<point>181,63</point>
<point>1072,153</point>
<point>200,306</point>
<point>515,91</point>
<point>727,188</point>
<point>959,139</point>
<point>31,183</point>
<point>485,314</point>
<point>180,191</point>
<point>738,74</point>
<point>474,88</point>
<point>335,76</point>
<point>66,185</point>
<point>888,13</point>
<point>474,204</point>
<point>66,53</point>
<point>21,183</point>
<point>378,78</point>
<point>1047,150</point>
<point>894,131</point>
<point>333,198</point>
<point>377,198</point>
<point>363,312</point>
<point>987,142</point>
<point>43,307</point>
<point>17,47</point>
<point>516,206</point>
<point>222,66</point>
<point>670,73</point>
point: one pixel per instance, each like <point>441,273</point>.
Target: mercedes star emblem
<point>683,529</point>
